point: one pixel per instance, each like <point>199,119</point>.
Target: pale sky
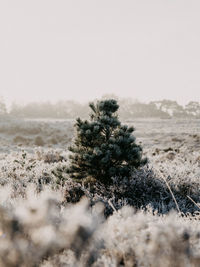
<point>82,49</point>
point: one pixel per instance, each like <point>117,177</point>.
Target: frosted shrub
<point>38,230</point>
<point>48,219</point>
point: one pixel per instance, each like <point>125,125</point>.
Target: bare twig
<point>170,192</point>
<point>193,202</point>
<point>112,206</point>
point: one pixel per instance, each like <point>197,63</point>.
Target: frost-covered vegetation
<point>47,219</point>
<point>103,147</point>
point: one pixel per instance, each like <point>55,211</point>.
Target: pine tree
<point>103,148</point>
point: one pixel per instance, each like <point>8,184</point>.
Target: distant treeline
<point>129,109</point>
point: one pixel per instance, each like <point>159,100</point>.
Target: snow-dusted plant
<point>104,148</point>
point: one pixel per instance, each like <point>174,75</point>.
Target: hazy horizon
<point>81,50</point>
<point>10,102</point>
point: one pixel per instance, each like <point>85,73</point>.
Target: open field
<point>151,220</point>
<point>153,133</point>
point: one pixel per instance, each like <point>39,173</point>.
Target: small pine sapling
<point>103,148</point>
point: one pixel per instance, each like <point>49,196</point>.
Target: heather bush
<point>39,230</point>
<point>39,141</point>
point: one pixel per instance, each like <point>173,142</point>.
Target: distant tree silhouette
<point>129,109</point>
<point>193,109</point>
<point>3,109</point>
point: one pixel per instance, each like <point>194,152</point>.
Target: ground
<point>40,227</point>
